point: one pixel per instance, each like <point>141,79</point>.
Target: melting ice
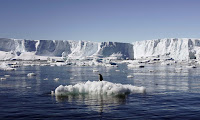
<point>98,87</point>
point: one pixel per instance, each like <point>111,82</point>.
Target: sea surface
<point>171,94</point>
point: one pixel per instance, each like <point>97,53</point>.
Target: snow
<point>30,56</point>
<point>98,87</point>
<point>63,48</point>
<point>135,66</point>
<point>7,75</point>
<point>6,55</point>
<point>6,67</point>
<point>31,74</point>
<point>83,49</point>
<point>56,79</point>
<point>176,48</point>
<point>173,48</point>
<point>130,76</point>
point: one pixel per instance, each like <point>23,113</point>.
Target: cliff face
<point>175,48</point>
<point>108,48</point>
<point>66,48</point>
<point>7,44</point>
<point>52,48</point>
<point>178,49</point>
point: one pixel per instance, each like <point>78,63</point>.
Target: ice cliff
<point>30,49</point>
<point>178,49</point>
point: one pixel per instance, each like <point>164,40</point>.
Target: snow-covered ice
<point>7,75</point>
<point>56,79</point>
<point>130,76</point>
<point>31,74</point>
<point>86,53</point>
<point>3,78</point>
<point>98,87</point>
<point>176,48</point>
<point>6,67</point>
<point>42,49</point>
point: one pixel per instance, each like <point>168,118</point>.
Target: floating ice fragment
<point>56,79</point>
<point>9,69</point>
<point>135,66</point>
<point>7,75</point>
<point>130,76</point>
<point>14,66</point>
<point>111,65</point>
<point>3,78</point>
<point>98,87</point>
<point>31,74</point>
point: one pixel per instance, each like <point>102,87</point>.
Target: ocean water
<point>170,94</point>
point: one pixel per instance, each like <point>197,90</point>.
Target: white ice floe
<point>98,87</point>
<point>135,66</point>
<point>3,78</point>
<point>111,65</point>
<point>6,67</point>
<point>56,79</point>
<point>130,76</point>
<point>7,75</point>
<point>31,74</point>
<point>9,69</point>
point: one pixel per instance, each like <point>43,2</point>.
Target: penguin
<point>100,77</point>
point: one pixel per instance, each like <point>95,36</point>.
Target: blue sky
<point>99,20</point>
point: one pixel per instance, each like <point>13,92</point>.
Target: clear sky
<point>99,20</point>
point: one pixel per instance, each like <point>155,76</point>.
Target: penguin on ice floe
<point>100,77</point>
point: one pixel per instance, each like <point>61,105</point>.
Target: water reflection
<point>99,103</point>
<point>166,78</point>
<point>154,78</point>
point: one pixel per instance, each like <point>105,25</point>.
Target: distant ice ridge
<point>33,49</point>
<point>98,87</point>
<point>175,48</point>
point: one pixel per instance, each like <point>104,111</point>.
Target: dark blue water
<point>170,95</point>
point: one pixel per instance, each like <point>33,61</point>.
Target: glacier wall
<point>66,48</point>
<point>176,48</point>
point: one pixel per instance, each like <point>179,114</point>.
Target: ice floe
<point>98,87</point>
